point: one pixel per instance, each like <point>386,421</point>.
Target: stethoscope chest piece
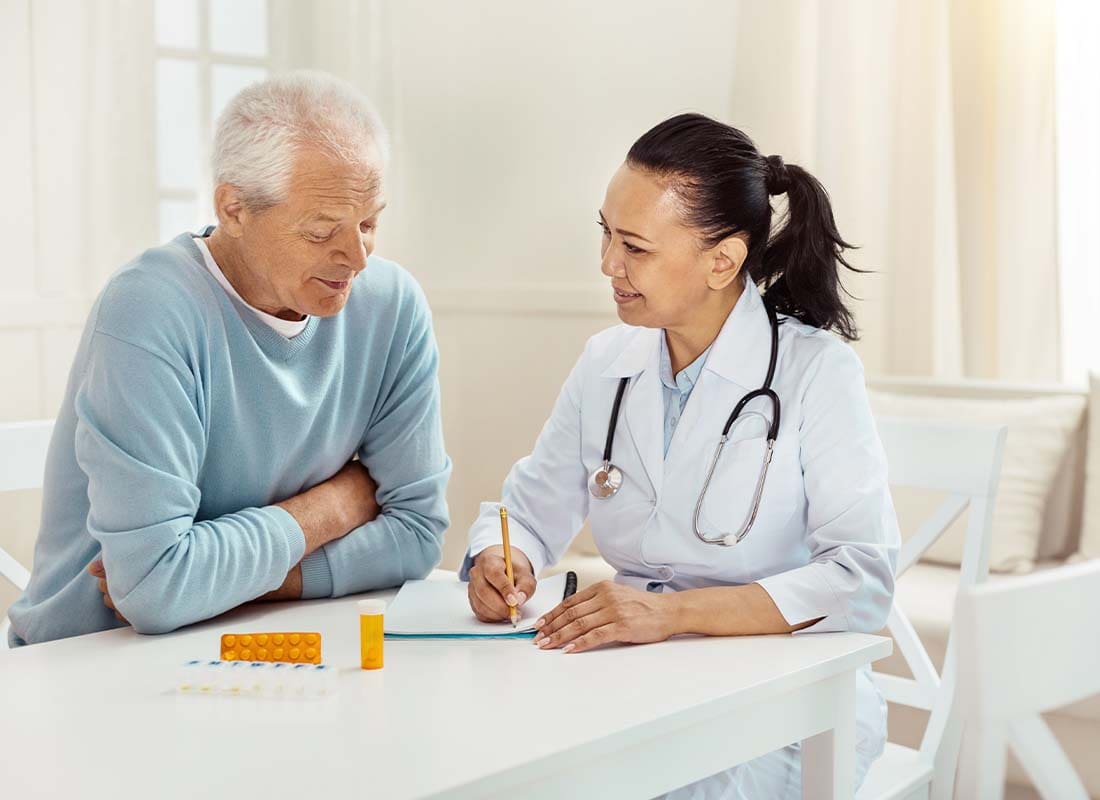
<point>605,480</point>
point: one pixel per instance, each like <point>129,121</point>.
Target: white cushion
<point>1090,523</point>
<point>1039,431</point>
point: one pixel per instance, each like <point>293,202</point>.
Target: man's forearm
<point>331,509</point>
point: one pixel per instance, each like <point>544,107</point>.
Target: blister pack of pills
<point>293,647</point>
<point>277,680</point>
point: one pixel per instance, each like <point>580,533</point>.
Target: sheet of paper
<point>441,609</point>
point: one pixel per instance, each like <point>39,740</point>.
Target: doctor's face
<point>658,271</point>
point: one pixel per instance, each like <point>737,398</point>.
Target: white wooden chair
<point>24,446</point>
<point>1027,645</point>
<point>965,463</point>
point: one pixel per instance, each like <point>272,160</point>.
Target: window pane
<point>177,124</point>
<point>226,81</point>
<point>177,216</point>
<point>238,27</point>
<point>177,23</point>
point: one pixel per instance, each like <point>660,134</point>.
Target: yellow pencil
<point>512,612</point>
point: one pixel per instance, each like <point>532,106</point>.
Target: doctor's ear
<point>230,209</point>
<point>727,258</point>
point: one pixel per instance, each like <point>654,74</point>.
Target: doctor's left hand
<point>605,613</point>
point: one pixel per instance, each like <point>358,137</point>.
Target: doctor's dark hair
<point>725,185</point>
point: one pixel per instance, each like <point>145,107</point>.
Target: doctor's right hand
<point>489,588</point>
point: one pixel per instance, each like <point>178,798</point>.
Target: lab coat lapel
<point>737,363</point>
<point>645,421</point>
<point>740,353</point>
<point>643,405</point>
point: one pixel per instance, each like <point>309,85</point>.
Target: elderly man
<point>204,456</point>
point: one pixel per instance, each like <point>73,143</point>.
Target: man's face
<point>303,254</point>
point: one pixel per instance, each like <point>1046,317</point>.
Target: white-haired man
<point>225,383</point>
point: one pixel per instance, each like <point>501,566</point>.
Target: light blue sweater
<point>186,418</point>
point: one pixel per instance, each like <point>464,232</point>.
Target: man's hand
<point>95,569</point>
<point>290,590</point>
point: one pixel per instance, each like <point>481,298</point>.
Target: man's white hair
<point>267,124</point>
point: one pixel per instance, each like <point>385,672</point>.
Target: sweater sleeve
<point>404,452</point>
<point>141,442</point>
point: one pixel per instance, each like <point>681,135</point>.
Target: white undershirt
<point>285,327</point>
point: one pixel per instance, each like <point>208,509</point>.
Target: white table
<point>96,716</point>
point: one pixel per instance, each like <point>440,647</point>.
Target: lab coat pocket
<point>732,491</point>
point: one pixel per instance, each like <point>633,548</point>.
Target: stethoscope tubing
<point>765,390</point>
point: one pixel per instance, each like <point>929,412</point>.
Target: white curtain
<point>75,147</point>
<point>932,125</point>
<point>1078,112</point>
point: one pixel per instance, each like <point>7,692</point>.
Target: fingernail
<point>567,648</point>
<point>541,642</point>
<point>522,598</point>
<point>540,622</point>
<point>511,599</point>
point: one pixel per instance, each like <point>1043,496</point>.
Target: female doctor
<point>792,528</point>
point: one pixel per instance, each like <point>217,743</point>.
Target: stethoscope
<point>606,480</point>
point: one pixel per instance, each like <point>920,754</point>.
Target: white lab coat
<point>825,539</point>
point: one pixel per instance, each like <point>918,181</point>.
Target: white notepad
<point>441,609</point>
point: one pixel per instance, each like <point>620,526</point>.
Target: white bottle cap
<point>371,607</point>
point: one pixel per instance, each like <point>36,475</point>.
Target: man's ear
<point>230,210</point>
<point>727,258</point>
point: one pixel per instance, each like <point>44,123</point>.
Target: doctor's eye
<point>603,227</point>
<point>632,249</point>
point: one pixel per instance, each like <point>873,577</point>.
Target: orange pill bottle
<point>371,633</point>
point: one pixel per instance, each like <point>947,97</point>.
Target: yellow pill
<point>229,641</point>
<point>294,653</point>
<point>261,639</point>
<point>311,653</point>
<point>311,638</point>
<point>278,654</point>
<point>277,638</point>
<point>246,640</point>
<point>231,655</point>
<point>246,655</point>
<point>261,654</point>
<point>294,638</point>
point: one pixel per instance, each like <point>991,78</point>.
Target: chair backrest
<point>1064,505</point>
<point>24,445</point>
<point>1026,645</point>
<point>964,461</point>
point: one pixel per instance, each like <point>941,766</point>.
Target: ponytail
<point>726,185</point>
<point>800,267</point>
